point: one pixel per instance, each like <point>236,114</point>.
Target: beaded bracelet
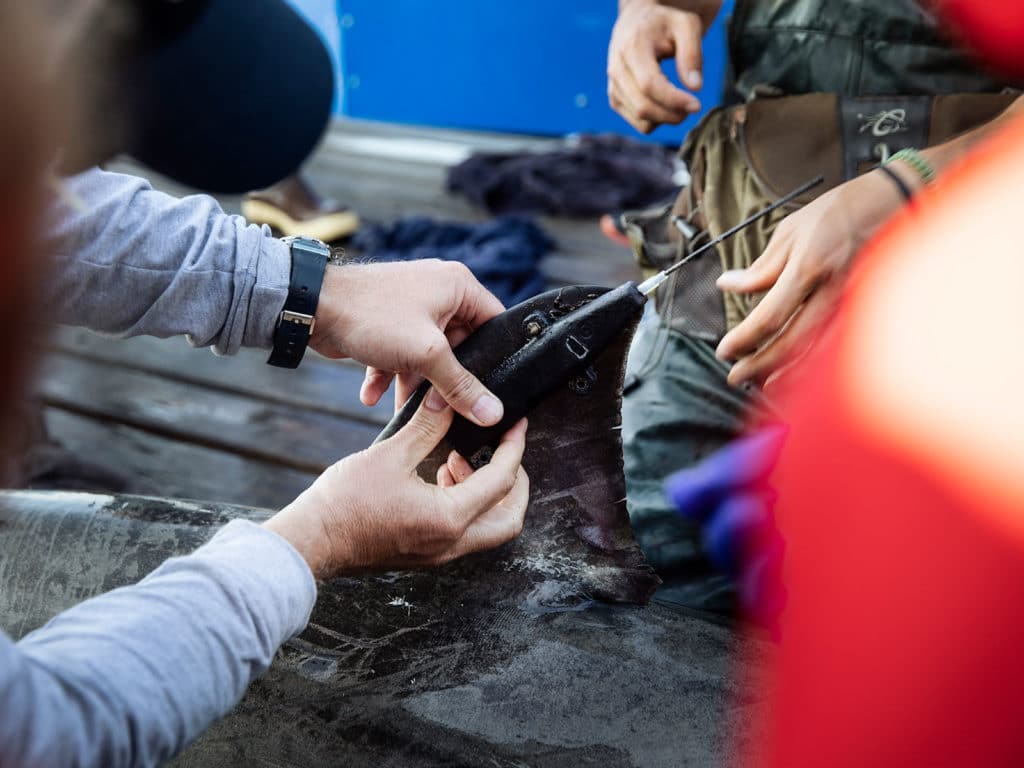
<point>915,160</point>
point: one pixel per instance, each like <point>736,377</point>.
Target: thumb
<point>424,431</point>
<point>686,30</point>
<point>462,390</point>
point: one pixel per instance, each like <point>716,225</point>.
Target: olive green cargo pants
<point>677,408</point>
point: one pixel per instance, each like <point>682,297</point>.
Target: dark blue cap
<point>223,95</point>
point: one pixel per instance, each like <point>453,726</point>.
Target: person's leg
<point>677,408</point>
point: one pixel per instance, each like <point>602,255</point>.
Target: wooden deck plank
<point>174,469</point>
<point>273,433</point>
<point>318,385</point>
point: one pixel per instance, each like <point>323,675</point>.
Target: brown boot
<point>293,208</point>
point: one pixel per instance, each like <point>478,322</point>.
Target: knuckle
<point>808,270</point>
<point>771,323</point>
<point>434,267</point>
<point>443,559</point>
<point>648,83</point>
<point>432,348</point>
<point>646,113</point>
<point>457,270</point>
<point>462,386</point>
<point>786,227</point>
<point>418,431</point>
<point>450,527</point>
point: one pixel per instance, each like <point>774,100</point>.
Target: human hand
<point>728,495</point>
<point>372,511</point>
<point>804,270</point>
<point>645,34</point>
<point>403,319</point>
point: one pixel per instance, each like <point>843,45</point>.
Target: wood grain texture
<point>249,427</point>
<point>177,469</point>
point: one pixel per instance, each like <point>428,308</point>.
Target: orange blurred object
<point>992,28</point>
<point>902,495</point>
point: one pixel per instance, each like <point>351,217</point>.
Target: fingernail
<point>434,401</point>
<point>487,410</point>
<point>695,80</point>
<point>726,277</point>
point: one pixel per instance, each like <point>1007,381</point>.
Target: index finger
<point>498,524</point>
<point>653,85</point>
<point>767,318</point>
<point>492,482</point>
<point>478,305</point>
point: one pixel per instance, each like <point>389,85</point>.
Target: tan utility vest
<point>831,88</point>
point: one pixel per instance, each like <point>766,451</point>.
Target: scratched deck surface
<point>180,422</point>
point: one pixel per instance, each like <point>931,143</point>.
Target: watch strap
<point>297,319</point>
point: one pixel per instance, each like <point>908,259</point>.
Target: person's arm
<point>134,261</point>
<point>646,32</point>
<point>130,678</point>
<point>804,267</point>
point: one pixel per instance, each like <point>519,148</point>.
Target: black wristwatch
<point>295,325</point>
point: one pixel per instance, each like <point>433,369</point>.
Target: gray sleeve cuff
<point>273,271</point>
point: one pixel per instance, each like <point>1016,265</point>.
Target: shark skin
<point>539,653</point>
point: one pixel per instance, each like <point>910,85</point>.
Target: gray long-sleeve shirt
<point>132,261</point>
<point>133,676</point>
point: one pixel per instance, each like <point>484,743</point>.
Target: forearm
<point>133,261</point>
<point>132,677</point>
<point>706,9</point>
<point>941,156</point>
<point>876,199</point>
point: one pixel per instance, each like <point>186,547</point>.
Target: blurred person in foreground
<point>875,97</point>
<point>900,484</point>
<point>105,683</point>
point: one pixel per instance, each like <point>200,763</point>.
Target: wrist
<point>915,166</point>
<point>706,10</point>
<point>331,318</point>
<point>297,321</point>
<point>872,199</point>
<point>308,536</point>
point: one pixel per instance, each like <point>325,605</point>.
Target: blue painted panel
<point>532,66</point>
<point>323,16</point>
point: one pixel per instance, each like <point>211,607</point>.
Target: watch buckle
<point>287,316</point>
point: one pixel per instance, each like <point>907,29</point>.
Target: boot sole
<point>333,226</point>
